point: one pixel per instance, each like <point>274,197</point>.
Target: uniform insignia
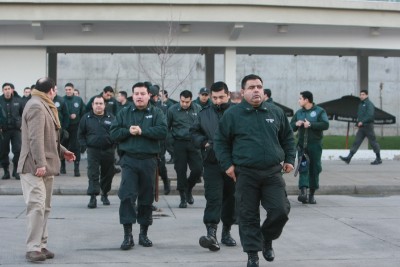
<point>76,105</point>
<point>313,114</point>
<point>57,104</point>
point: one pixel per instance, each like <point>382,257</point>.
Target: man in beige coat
<point>38,163</point>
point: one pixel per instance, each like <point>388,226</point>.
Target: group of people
<point>240,149</point>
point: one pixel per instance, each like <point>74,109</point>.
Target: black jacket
<point>94,131</point>
<point>12,112</point>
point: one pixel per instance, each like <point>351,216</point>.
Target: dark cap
<point>154,90</point>
<point>204,90</point>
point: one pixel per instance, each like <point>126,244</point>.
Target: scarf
<point>50,103</point>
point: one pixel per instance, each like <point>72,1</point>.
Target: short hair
<point>33,86</point>
<point>267,92</point>
<point>8,84</point>
<point>250,77</point>
<point>99,97</point>
<point>69,85</point>
<point>26,88</point>
<point>124,93</point>
<point>165,92</point>
<point>236,95</point>
<point>77,90</point>
<point>219,86</point>
<point>307,95</point>
<point>186,94</point>
<point>108,89</point>
<point>45,84</point>
<point>365,91</point>
<point>140,84</point>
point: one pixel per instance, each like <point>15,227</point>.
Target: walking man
<point>94,135</point>
<point>218,186</point>
<point>310,121</point>
<point>365,124</point>
<point>138,130</point>
<point>39,162</point>
<point>254,145</point>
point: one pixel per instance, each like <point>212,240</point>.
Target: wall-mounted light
<point>185,28</point>
<point>87,27</point>
<point>374,31</point>
<point>282,28</point>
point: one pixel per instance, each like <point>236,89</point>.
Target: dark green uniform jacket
<point>154,128</point>
<point>75,106</point>
<point>202,105</point>
<point>256,138</point>
<point>94,131</point>
<point>180,120</point>
<point>63,113</point>
<point>319,123</point>
<point>366,112</point>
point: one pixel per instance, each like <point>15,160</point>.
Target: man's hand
<point>299,123</point>
<point>40,172</point>
<point>69,156</point>
<point>135,130</point>
<point>307,124</point>
<point>287,167</point>
<point>359,124</point>
<point>231,172</point>
<point>72,116</point>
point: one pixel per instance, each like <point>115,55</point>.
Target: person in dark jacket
<point>203,100</point>
<point>219,188</point>
<point>365,124</point>
<point>180,118</point>
<point>111,102</point>
<point>310,121</point>
<point>12,108</point>
<point>254,144</point>
<point>138,131</point>
<point>94,135</point>
<point>169,142</point>
<point>63,116</point>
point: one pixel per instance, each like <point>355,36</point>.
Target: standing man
<point>110,101</point>
<point>169,142</point>
<point>365,124</point>
<point>180,118</point>
<point>138,131</point>
<point>122,100</point>
<point>310,121</point>
<point>254,144</point>
<point>11,129</point>
<point>76,109</point>
<point>94,134</point>
<point>218,186</point>
<point>39,162</point>
<point>204,98</point>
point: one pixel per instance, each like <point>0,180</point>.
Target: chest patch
<point>313,114</point>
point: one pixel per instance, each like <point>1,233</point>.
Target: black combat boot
<point>15,173</point>
<point>62,168</point>
<point>189,196</point>
<point>76,169</point>
<point>303,195</point>
<point>167,186</point>
<point>378,159</point>
<point>268,251</point>
<point>92,202</point>
<point>311,198</point>
<point>143,239</point>
<point>252,260</point>
<point>183,203</point>
<point>226,237</point>
<point>210,241</point>
<point>6,175</point>
<point>128,242</point>
<point>104,199</point>
<point>348,158</point>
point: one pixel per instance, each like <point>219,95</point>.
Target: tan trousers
<point>37,195</point>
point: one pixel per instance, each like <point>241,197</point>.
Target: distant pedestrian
<point>39,162</point>
<point>365,124</point>
<point>310,121</point>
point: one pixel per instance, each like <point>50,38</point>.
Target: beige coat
<point>40,139</point>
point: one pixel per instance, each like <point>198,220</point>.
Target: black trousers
<point>137,182</point>
<point>219,191</point>
<point>100,170</point>
<point>13,136</point>
<point>186,154</point>
<point>365,131</point>
<point>268,188</point>
<point>72,143</point>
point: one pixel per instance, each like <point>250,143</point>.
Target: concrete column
<point>210,69</point>
<point>52,71</point>
<point>22,66</point>
<point>230,68</point>
<point>362,73</point>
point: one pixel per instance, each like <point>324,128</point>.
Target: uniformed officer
<point>365,124</point>
<point>122,101</point>
<point>252,141</point>
<point>76,109</point>
<point>169,142</point>
<point>94,134</point>
<point>203,98</point>
<point>219,188</point>
<point>180,118</point>
<point>310,121</point>
<point>111,102</point>
<point>138,130</point>
<point>12,108</point>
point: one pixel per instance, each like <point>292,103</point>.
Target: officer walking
<point>12,108</point>
<point>310,121</point>
<point>138,130</point>
<point>252,140</point>
<point>218,186</point>
<point>169,142</point>
<point>180,118</point>
<point>365,124</point>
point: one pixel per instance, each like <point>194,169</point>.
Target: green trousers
<point>310,177</point>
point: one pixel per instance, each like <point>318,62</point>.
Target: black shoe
<point>92,202</point>
<point>77,173</point>
<point>345,159</point>
<point>189,197</point>
<point>268,251</point>
<point>104,199</point>
<point>17,176</point>
<point>252,260</point>
<point>303,195</point>
<point>226,237</point>
<point>311,199</point>
<point>143,239</point>
<point>117,170</point>
<point>376,162</point>
<point>167,186</point>
<point>6,175</point>
<point>210,241</point>
<point>183,204</point>
<point>128,242</point>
